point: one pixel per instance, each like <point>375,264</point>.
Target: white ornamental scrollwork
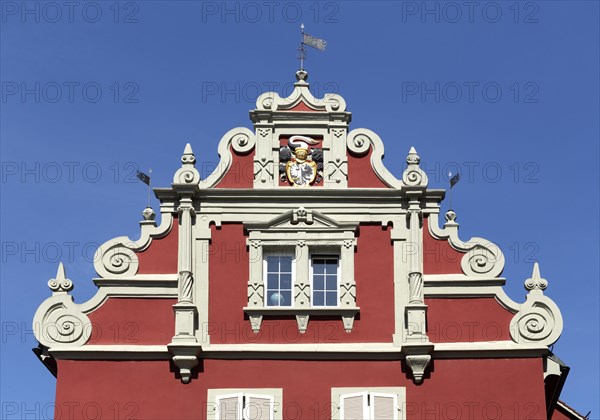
<point>359,141</point>
<point>539,320</point>
<point>59,321</point>
<point>242,142</point>
<point>359,144</point>
<point>483,260</point>
<point>187,177</point>
<point>64,325</point>
<point>116,261</point>
<point>271,101</point>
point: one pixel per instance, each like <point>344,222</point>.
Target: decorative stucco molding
<point>116,258</point>
<point>482,258</point>
<point>59,322</point>
<point>241,140</point>
<point>413,176</point>
<point>187,174</point>
<point>271,101</point>
<point>359,141</point>
<point>539,320</point>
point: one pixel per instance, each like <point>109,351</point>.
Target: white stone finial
<point>413,176</point>
<point>413,158</point>
<point>536,282</point>
<point>188,157</point>
<point>60,284</point>
<point>148,214</point>
<point>187,174</point>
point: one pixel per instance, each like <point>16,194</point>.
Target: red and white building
<point>302,280</point>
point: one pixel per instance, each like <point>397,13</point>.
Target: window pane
<point>286,298</point>
<point>318,282</point>
<point>272,263</point>
<point>318,266</point>
<point>285,264</point>
<point>318,298</point>
<point>332,299</point>
<point>274,298</point>
<point>272,281</point>
<point>285,281</point>
<point>331,283</point>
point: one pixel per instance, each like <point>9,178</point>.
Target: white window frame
<point>316,255</point>
<point>307,232</point>
<point>274,395</point>
<point>278,253</point>
<point>337,402</point>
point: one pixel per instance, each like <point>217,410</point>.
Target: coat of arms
<point>299,164</point>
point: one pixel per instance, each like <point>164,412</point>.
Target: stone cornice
<point>335,351</point>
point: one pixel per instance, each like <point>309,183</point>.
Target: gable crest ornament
<point>299,164</point>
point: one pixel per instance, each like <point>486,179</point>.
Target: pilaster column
<point>416,345</point>
<point>302,283</point>
<point>184,345</point>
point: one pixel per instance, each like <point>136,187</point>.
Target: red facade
<point>301,280</point>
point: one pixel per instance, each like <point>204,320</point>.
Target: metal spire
<point>301,49</point>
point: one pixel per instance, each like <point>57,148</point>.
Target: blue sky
<point>505,91</point>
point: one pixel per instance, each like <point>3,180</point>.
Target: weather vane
<point>311,41</point>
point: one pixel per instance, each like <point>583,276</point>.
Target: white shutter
<point>259,407</point>
<point>384,406</point>
<point>354,406</point>
<point>229,407</point>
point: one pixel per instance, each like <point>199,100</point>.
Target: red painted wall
<point>360,172</point>
<point>301,106</point>
<point>467,320</point>
<point>228,271</point>
<point>438,256</point>
<point>133,321</point>
<point>161,256</point>
<point>559,414</point>
<point>465,389</point>
<point>240,173</point>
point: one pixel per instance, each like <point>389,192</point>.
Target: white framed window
<point>301,264</point>
<point>244,404</point>
<point>373,403</point>
<point>325,280</point>
<point>279,272</point>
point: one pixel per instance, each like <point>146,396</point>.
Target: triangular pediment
<point>301,218</point>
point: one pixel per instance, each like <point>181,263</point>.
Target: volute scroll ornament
<point>115,261</point>
<point>58,321</point>
<point>539,320</point>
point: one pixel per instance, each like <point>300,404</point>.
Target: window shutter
<point>354,406</point>
<point>384,406</point>
<point>259,407</point>
<point>229,407</point>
